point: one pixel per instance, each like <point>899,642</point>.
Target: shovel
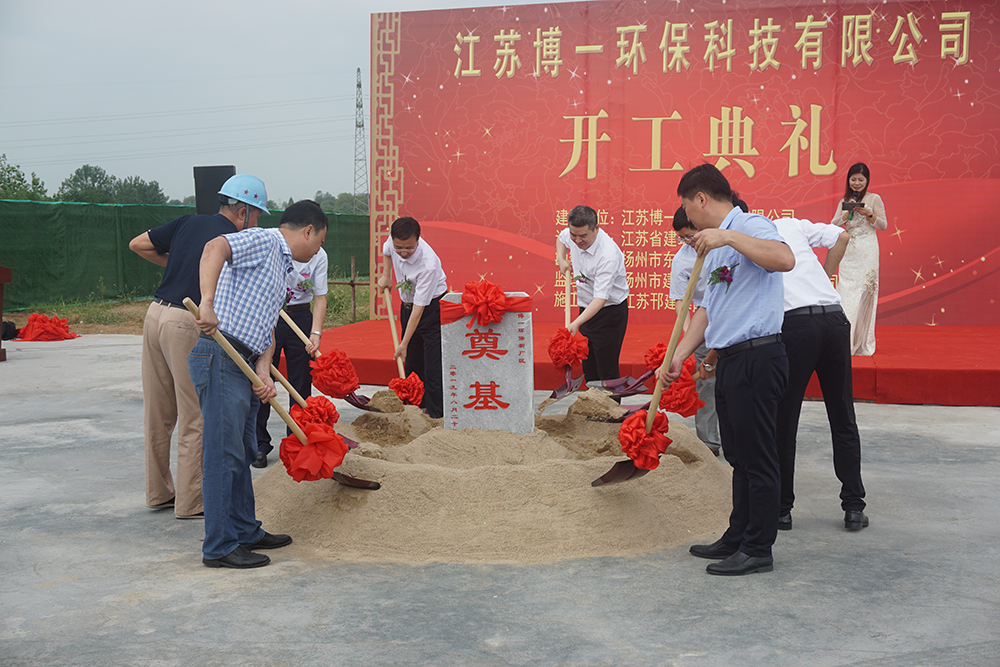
<point>572,383</point>
<point>623,471</point>
<point>357,400</point>
<point>392,330</point>
<point>346,480</point>
<point>251,375</point>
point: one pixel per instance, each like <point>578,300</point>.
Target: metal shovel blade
<point>621,471</point>
<point>614,385</point>
<point>355,482</point>
<point>567,388</point>
<point>360,401</point>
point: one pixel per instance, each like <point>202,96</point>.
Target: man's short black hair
<point>582,216</point>
<point>681,220</point>
<point>708,179</point>
<point>404,228</point>
<point>303,213</point>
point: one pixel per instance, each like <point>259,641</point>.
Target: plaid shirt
<point>252,285</point>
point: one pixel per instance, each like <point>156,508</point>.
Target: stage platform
<point>935,365</point>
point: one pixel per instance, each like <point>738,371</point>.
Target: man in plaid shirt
<point>243,279</point>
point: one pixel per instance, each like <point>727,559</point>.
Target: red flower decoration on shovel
<point>644,448</point>
<point>318,410</point>
<point>654,356</point>
<point>315,460</point>
<point>410,389</point>
<point>334,374</point>
<point>567,350</point>
<point>681,397</point>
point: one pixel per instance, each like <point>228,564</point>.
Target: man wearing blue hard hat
<point>168,335</point>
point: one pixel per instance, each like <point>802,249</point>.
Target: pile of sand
<point>475,496</point>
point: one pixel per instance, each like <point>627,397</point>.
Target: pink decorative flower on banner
<point>644,448</point>
<point>315,460</point>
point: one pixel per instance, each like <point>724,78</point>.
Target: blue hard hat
<point>247,189</point>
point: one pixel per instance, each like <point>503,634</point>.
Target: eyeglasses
<point>685,239</point>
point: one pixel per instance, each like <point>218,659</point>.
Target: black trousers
<point>423,355</point>
<point>297,370</point>
<point>606,332</point>
<point>821,343</point>
<point>748,386</point>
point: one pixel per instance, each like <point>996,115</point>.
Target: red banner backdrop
<point>489,124</point>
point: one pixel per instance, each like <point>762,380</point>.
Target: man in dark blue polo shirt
<point>168,335</point>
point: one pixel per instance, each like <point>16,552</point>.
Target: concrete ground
<point>90,576</point>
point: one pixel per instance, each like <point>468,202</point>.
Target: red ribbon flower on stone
<point>409,389</point>
<point>318,410</point>
<point>566,350</point>
<point>485,301</point>
<point>315,460</point>
<point>681,397</point>
<point>334,374</point>
<point>644,448</point>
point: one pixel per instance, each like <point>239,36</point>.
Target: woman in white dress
<point>861,213</point>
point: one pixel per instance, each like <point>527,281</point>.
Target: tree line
<point>94,185</point>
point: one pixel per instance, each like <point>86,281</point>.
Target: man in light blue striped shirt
<point>741,320</point>
<point>243,280</point>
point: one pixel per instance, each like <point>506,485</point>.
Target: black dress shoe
<point>855,520</point>
<point>785,521</point>
<point>239,558</point>
<point>717,549</point>
<point>270,541</point>
<point>740,563</point>
<point>261,461</point>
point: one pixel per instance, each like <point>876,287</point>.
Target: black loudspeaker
<point>207,181</point>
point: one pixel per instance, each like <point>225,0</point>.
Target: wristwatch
<point>315,333</point>
<point>708,367</point>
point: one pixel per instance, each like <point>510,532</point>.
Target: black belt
<point>162,302</point>
<point>297,307</point>
<point>248,355</point>
<point>814,310</point>
<point>749,344</point>
<point>409,306</point>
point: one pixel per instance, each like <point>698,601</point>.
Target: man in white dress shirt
<point>422,283</point>
<point>601,291</point>
<point>817,337</point>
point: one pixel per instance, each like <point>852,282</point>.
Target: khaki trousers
<point>169,399</point>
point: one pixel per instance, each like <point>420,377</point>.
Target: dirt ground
<point>122,318</point>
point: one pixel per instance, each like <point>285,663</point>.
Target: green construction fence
<point>78,252</point>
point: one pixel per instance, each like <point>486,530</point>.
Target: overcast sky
<point>152,89</point>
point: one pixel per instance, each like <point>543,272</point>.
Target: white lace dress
<point>858,273</point>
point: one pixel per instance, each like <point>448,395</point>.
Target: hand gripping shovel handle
<point>569,279</point>
<point>392,330</point>
<point>675,336</point>
<point>251,374</point>
<point>295,327</point>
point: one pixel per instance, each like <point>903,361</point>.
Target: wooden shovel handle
<point>292,391</point>
<point>569,279</point>
<point>295,327</point>
<point>392,329</point>
<point>250,373</point>
<point>675,336</point>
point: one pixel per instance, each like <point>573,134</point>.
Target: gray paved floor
<point>89,576</point>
